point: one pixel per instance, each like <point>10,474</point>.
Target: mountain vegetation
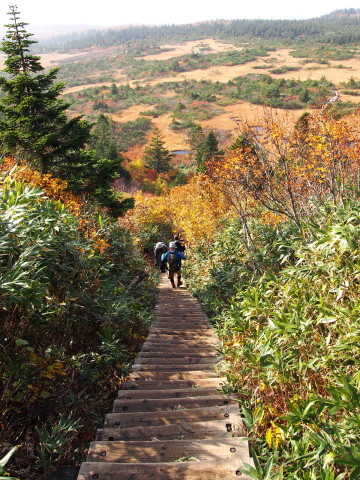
<point>273,233</point>
<point>270,217</point>
<point>76,296</point>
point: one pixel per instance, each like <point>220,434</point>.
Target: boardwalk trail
<point>170,421</point>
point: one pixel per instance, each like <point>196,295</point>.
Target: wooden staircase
<point>170,420</point>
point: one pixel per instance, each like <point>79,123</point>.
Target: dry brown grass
<point>242,110</point>
<point>279,58</point>
<point>188,47</point>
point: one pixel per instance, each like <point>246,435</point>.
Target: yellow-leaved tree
<point>194,210</point>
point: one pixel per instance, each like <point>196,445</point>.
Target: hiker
<point>180,247</point>
<point>173,260</point>
<point>159,250</point>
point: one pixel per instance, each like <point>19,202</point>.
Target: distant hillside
<point>338,28</point>
<point>346,12</point>
<point>48,31</point>
<point>44,32</point>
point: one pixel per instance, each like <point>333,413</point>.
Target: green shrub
<point>289,336</point>
<point>72,318</point>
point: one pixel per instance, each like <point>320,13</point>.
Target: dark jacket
<point>179,246</point>
<point>159,250</point>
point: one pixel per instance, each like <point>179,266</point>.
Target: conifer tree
<point>103,142</point>
<point>243,142</point>
<point>196,137</point>
<point>208,150</point>
<point>157,157</point>
<point>33,124</point>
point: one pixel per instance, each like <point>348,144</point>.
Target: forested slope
<point>340,27</point>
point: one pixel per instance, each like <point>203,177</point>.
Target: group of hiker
<point>169,258</point>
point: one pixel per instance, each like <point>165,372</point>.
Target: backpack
<point>173,262</point>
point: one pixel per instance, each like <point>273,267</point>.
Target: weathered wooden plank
<point>191,340</point>
<point>182,318</point>
<point>147,419</point>
<point>184,336</point>
<point>210,470</point>
<point>181,326</point>
<point>172,375</point>
<point>149,384</point>
<point>166,359</point>
<point>215,429</point>
<point>183,333</point>
<point>156,404</point>
<point>181,346</point>
<point>172,393</point>
<point>175,353</point>
<point>176,367</point>
<point>156,349</point>
<point>228,450</point>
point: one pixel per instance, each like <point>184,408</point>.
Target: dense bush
<point>72,315</point>
<point>133,132</point>
<point>290,348</point>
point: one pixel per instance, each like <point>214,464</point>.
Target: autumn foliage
<point>273,231</point>
<point>194,210</point>
<point>70,320</point>
<point>289,169</point>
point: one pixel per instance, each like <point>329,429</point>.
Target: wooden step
<point>183,332</point>
<point>184,392</point>
<point>189,340</point>
<point>177,367</point>
<point>148,384</point>
<point>169,375</point>
<point>178,347</point>
<point>181,315</point>
<point>180,302</point>
<point>186,318</point>
<point>181,350</point>
<point>182,326</point>
<point>147,419</point>
<point>156,404</point>
<point>177,431</point>
<point>170,359</point>
<point>176,354</point>
<point>207,470</point>
<point>227,449</point>
<point>191,326</point>
<point>179,312</point>
<point>184,336</point>
<point>154,349</point>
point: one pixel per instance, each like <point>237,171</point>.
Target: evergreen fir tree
<point>157,157</point>
<point>35,128</point>
<point>208,150</point>
<point>103,142</point>
<point>196,137</point>
<point>243,142</point>
<point>33,124</point>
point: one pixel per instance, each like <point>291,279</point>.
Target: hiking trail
<point>170,421</point>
